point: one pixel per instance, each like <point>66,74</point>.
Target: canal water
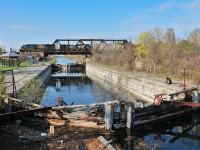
<point>182,132</point>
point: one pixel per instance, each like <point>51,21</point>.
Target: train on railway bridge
<point>73,46</point>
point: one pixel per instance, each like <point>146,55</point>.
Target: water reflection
<point>182,132</point>
<point>63,60</point>
<point>81,90</point>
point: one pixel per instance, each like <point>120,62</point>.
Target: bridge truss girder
<point>121,43</point>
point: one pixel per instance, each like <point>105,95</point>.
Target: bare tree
<point>155,37</point>
<point>170,36</point>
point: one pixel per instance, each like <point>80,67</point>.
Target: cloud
<point>152,12</point>
<point>191,5</point>
<point>180,16</point>
<point>166,6</point>
<point>27,28</point>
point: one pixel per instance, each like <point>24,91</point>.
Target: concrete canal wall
<point>139,84</point>
<point>45,75</point>
<point>27,73</point>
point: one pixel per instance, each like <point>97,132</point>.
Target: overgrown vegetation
<point>156,51</point>
<point>32,91</point>
<point>120,58</point>
<point>54,60</point>
<point>2,91</point>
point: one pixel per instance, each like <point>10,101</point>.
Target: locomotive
<point>48,49</point>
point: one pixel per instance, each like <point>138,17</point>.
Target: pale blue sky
<point>42,21</point>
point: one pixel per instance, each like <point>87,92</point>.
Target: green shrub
<point>32,91</point>
<point>54,60</point>
<point>2,91</point>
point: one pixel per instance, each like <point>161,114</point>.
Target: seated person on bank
<point>168,80</point>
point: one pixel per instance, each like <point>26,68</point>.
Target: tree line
<point>156,51</point>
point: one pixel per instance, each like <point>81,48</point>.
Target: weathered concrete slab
<point>23,75</point>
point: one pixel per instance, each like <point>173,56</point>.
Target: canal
<point>182,132</point>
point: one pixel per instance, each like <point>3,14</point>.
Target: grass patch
<point>24,64</point>
<point>7,68</point>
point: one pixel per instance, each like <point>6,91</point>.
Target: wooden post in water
<point>108,116</point>
<point>123,112</point>
<point>130,115</point>
<point>195,98</point>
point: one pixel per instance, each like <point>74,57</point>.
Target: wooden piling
<point>51,131</point>
<point>8,105</point>
<point>130,115</point>
<point>195,98</point>
<point>108,116</point>
<point>123,112</point>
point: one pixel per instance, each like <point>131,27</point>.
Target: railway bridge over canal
<point>74,46</point>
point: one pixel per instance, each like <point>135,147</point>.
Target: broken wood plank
<point>106,143</point>
<point>87,105</point>
<point>183,91</point>
<point>136,123</point>
<point>87,124</point>
<point>23,112</point>
<point>21,101</point>
<point>57,122</point>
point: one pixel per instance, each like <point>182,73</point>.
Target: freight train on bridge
<point>73,46</point>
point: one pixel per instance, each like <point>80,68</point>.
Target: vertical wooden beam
<point>14,85</point>
<point>123,112</point>
<point>130,115</point>
<point>51,131</point>
<point>8,105</point>
<point>195,98</point>
<point>108,117</point>
<point>129,142</point>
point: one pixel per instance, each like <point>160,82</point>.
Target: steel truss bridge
<point>75,46</point>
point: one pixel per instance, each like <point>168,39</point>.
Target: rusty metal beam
<point>90,40</point>
<point>191,104</point>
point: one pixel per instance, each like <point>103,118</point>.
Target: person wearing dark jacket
<point>168,80</point>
